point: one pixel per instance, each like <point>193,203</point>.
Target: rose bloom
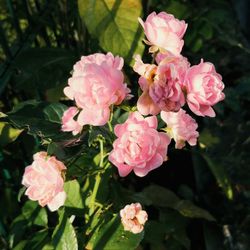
<point>204,88</point>
<point>181,127</point>
<point>44,181</point>
<point>68,122</point>
<point>162,84</point>
<point>164,32</point>
<point>133,218</point>
<point>139,146</point>
<point>96,84</point>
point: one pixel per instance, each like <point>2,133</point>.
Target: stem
<point>110,119</point>
<point>95,190</point>
<point>110,126</point>
<point>97,181</point>
<point>101,152</point>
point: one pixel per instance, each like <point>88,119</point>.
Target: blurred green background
<point>41,40</point>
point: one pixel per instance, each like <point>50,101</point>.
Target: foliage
<point>199,199</point>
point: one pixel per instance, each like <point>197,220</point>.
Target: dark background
<point>41,40</point>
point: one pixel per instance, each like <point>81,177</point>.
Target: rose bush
<point>106,126</point>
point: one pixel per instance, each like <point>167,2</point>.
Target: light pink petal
<point>68,91</point>
<point>95,116</point>
<point>57,201</point>
<point>163,146</point>
<point>152,121</point>
<point>155,162</point>
<point>141,22</point>
<point>146,105</point>
<point>124,169</point>
<point>141,172</point>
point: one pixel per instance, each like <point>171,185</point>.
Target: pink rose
<point>162,84</point>
<point>133,218</point>
<point>204,88</point>
<point>68,122</point>
<point>96,84</point>
<point>139,147</point>
<point>44,182</point>
<point>181,127</point>
<point>164,32</point>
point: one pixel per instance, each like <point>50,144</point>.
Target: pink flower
<point>139,147</point>
<point>133,218</point>
<point>68,122</point>
<point>162,84</point>
<point>44,182</point>
<point>96,84</point>
<point>204,88</point>
<point>181,127</point>
<point>164,32</point>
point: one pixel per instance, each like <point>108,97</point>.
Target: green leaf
<point>213,236</point>
<point>35,214</point>
<point>158,195</point>
<point>41,119</point>
<point>197,44</point>
<point>21,193</point>
<point>182,238</point>
<point>112,236</point>
<point>36,241</point>
<point>8,134</point>
<point>178,9</point>
<point>48,247</point>
<point>206,29</point>
<point>40,69</point>
<point>207,139</point>
<point>74,198</point>
<point>188,209</point>
<point>20,245</point>
<point>155,232</point>
<point>64,235</point>
<point>162,197</point>
<point>17,231</point>
<point>221,176</point>
<point>115,24</point>
<point>57,150</point>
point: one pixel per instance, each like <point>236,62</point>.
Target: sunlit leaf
<point>112,236</point>
<point>35,214</point>
<point>64,235</point>
<point>114,23</point>
<point>8,134</point>
<point>74,198</point>
<point>221,176</point>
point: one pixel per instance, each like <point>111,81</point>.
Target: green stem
<point>110,119</point>
<point>95,190</point>
<point>101,152</point>
<point>97,181</point>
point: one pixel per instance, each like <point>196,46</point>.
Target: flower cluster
<point>171,82</point>
<point>97,83</point>
<point>166,86</point>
